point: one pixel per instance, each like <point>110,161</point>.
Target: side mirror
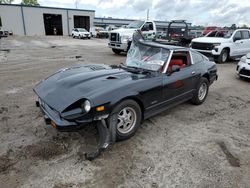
<point>236,38</point>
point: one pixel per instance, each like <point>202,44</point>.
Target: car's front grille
<point>245,72</point>
<point>202,46</point>
<point>114,37</point>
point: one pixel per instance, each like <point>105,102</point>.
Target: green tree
<point>6,1</point>
<point>233,26</point>
<point>244,27</point>
<point>30,2</point>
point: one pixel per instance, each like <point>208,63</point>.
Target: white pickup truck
<point>223,45</point>
<point>120,39</point>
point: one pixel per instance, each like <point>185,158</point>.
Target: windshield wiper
<point>139,70</point>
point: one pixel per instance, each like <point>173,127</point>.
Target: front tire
<point>201,92</point>
<point>126,117</point>
<point>116,51</point>
<point>223,57</point>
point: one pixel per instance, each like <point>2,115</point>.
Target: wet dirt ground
<point>186,146</point>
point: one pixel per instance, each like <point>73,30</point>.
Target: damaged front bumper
<point>107,135</point>
<point>53,118</point>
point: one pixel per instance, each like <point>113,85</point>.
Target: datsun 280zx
<point>154,78</point>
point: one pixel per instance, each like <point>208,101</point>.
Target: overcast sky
<point>198,12</point>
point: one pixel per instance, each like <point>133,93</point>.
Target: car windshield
<point>229,34</point>
<point>146,57</point>
<point>135,24</point>
<point>221,34</point>
<point>82,30</point>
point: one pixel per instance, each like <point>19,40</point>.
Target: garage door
<point>82,22</point>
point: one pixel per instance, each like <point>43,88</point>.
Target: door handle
<point>241,42</point>
<point>193,72</point>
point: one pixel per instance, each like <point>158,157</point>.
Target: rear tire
<point>126,117</point>
<point>116,51</point>
<point>201,92</point>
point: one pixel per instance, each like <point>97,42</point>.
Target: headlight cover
<point>216,44</point>
<point>86,106</point>
<point>243,59</point>
<point>125,38</point>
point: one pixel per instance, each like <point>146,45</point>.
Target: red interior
<point>178,62</point>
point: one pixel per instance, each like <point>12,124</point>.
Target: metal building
<point>40,20</point>
<point>104,22</point>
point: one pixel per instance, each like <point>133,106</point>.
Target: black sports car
<point>154,78</point>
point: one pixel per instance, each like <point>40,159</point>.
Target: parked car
<point>80,33</point>
<point>154,78</point>
<point>231,44</point>
<point>99,32</point>
<point>243,67</point>
<point>161,34</point>
<point>208,29</point>
<point>194,34</point>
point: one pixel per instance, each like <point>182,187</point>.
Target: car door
<point>148,30</point>
<point>179,86</point>
<point>238,46</point>
<point>246,41</point>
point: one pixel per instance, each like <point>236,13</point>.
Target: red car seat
<point>178,62</point>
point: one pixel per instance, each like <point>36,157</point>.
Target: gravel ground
<point>187,146</point>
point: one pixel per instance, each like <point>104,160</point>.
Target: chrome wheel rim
<point>126,120</point>
<point>224,56</point>
<point>202,91</point>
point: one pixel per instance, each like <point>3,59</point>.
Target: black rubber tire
<point>219,59</point>
<point>89,37</point>
<point>112,120</point>
<point>195,100</point>
<point>116,51</point>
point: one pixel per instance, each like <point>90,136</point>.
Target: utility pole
<point>76,3</point>
<point>147,14</point>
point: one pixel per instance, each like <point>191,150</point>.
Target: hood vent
<point>121,76</point>
<point>95,67</point>
<point>111,77</point>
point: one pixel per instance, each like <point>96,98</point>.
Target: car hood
<point>210,40</point>
<point>84,82</point>
<point>124,31</point>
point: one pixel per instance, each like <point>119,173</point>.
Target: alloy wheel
<point>126,120</point>
<point>202,91</point>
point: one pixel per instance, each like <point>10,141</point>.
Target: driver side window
<point>238,35</point>
<point>180,59</point>
<point>148,26</point>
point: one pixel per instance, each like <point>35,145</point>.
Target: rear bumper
<point>53,118</point>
